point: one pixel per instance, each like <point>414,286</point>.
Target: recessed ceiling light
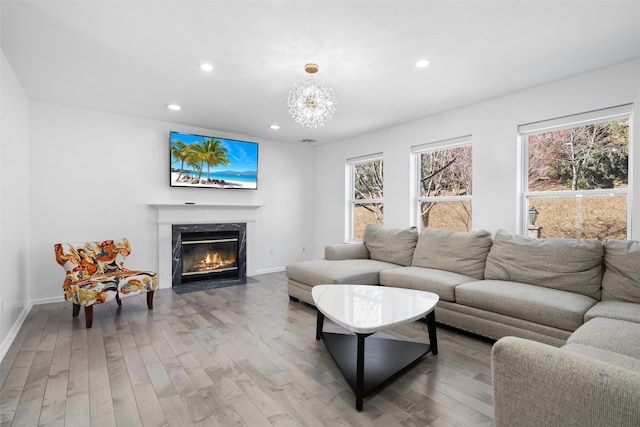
<point>174,107</point>
<point>274,127</point>
<point>422,63</point>
<point>206,67</point>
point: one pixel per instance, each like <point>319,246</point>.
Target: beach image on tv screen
<point>211,162</point>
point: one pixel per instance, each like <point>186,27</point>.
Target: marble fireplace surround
<point>176,245</point>
<point>170,214</point>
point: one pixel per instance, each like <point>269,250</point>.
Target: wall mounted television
<point>211,162</point>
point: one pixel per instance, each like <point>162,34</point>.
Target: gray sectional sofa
<point>581,295</point>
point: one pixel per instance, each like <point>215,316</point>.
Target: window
<point>576,176</point>
<point>443,188</point>
<point>366,204</point>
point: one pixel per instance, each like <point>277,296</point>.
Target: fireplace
<point>208,252</point>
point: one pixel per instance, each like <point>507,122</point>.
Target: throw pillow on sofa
<point>573,265</point>
<point>621,280</point>
<point>455,251</point>
<point>393,245</point>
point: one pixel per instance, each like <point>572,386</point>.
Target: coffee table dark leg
<point>319,324</point>
<point>431,328</point>
<point>360,372</point>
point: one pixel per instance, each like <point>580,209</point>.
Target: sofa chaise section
<point>357,263</point>
<point>303,276</point>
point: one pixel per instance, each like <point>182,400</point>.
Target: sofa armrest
<point>536,384</point>
<point>346,251</point>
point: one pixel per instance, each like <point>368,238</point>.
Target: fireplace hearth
<point>208,253</point>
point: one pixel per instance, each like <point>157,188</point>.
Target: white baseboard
<point>48,300</point>
<point>269,270</point>
<point>13,333</point>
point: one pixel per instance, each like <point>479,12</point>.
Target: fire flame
<point>213,261</point>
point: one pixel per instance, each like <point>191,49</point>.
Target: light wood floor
<point>240,355</point>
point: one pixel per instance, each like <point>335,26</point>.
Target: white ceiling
<point>134,57</point>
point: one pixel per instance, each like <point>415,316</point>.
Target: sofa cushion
<point>551,307</point>
<point>459,252</point>
<point>395,245</point>
<point>614,310</point>
<point>354,271</point>
<point>614,335</point>
<point>440,282</point>
<point>621,279</point>
<point>573,265</point>
<point>346,251</point>
<point>607,356</point>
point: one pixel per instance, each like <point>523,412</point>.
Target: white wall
<point>493,125</point>
<point>14,204</point>
<point>93,175</point>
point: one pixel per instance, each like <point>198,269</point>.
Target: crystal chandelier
<point>311,104</point>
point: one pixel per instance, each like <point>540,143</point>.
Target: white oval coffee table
<point>365,310</point>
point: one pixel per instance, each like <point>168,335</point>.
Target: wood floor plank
<point>248,411</point>
<point>162,385</point>
<point>54,402</point>
<point>149,406</point>
<point>224,412</point>
<point>27,413</point>
<point>175,412</point>
<point>235,356</point>
<point>193,401</point>
<point>191,364</point>
<point>15,353</point>
<point>78,410</point>
<point>124,403</point>
<point>100,399</point>
<point>136,369</point>
<point>11,392</point>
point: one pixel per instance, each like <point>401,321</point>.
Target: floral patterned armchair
<point>96,274</point>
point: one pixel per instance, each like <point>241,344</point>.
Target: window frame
<point>416,152</point>
<point>351,200</point>
<point>567,122</point>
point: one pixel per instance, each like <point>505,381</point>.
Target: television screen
<point>210,162</point>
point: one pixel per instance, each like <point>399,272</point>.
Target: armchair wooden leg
<point>76,309</point>
<point>150,300</point>
<point>88,315</point>
<point>118,300</point>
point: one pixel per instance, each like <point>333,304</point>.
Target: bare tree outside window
<point>578,180</point>
<point>445,186</point>
<point>367,198</point>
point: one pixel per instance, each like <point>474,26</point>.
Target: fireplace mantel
<point>201,213</point>
<point>189,213</point>
<point>215,205</point>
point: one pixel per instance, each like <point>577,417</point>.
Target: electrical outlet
<point>303,249</point>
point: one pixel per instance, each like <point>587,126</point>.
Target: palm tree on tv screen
<point>208,152</point>
<point>213,154</point>
<point>180,151</point>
